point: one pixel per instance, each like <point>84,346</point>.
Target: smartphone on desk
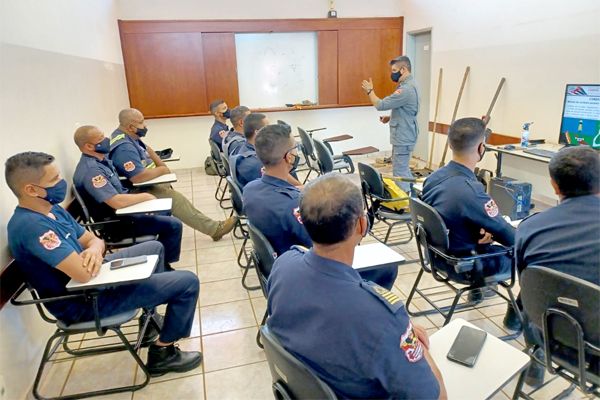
<point>467,346</point>
<point>127,262</point>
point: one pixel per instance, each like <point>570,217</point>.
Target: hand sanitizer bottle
<point>525,134</point>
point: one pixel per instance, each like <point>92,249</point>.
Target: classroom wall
<point>538,46</point>
<point>60,66</point>
<point>188,136</point>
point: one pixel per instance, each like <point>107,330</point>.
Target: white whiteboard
<point>275,69</point>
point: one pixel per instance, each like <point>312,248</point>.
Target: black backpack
<point>209,166</point>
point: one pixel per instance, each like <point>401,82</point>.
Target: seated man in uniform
<point>137,161</point>
<point>52,248</point>
<point>471,216</point>
<point>100,187</point>
<point>221,112</point>
<point>234,139</point>
<point>271,203</point>
<point>246,163</point>
<point>565,238</point>
<point>355,335</point>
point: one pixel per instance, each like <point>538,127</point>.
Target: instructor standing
<point>404,103</point>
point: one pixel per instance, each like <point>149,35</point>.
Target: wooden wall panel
<point>390,47</point>
<point>220,68</point>
<point>328,67</point>
<point>364,54</point>
<point>259,25</point>
<point>165,73</point>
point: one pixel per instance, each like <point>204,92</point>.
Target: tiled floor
<point>226,323</point>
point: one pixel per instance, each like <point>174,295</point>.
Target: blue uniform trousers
<point>169,231</point>
<point>384,277</point>
<point>400,164</point>
<point>177,289</point>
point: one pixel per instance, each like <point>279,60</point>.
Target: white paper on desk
<point>166,178</point>
<point>126,274</point>
<point>154,205</point>
<point>369,255</point>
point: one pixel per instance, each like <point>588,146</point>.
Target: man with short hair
<point>97,182</point>
<point>272,203</point>
<point>404,103</point>
<point>565,238</point>
<point>221,112</point>
<point>246,163</point>
<point>136,161</point>
<point>52,248</point>
<point>355,335</point>
<point>470,214</point>
<point>234,139</point>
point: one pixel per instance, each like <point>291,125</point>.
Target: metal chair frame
<point>430,249</point>
<point>101,326</point>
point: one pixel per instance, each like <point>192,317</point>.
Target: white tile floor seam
<point>228,316</point>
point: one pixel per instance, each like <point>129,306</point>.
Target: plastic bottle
<point>525,134</point>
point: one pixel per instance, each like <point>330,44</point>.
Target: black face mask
<point>103,147</point>
<point>141,132</point>
<point>227,114</point>
<point>395,76</point>
<point>482,153</point>
<point>296,162</point>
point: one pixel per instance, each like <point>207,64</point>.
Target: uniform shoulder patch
<point>389,299</point>
<point>99,181</point>
<point>491,209</point>
<point>297,215</point>
<point>398,91</point>
<point>129,166</point>
<point>50,240</point>
<point>411,345</point>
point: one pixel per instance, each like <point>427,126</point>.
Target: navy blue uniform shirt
<point>97,181</point>
<point>465,207</point>
<point>129,155</point>
<point>39,243</point>
<point>353,334</point>
<point>272,205</point>
<point>217,127</point>
<point>247,165</point>
<point>232,143</point>
<point>565,238</point>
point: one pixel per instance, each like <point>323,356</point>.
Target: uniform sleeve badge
<point>99,181</point>
<point>297,215</point>
<point>398,91</point>
<point>50,240</point>
<point>491,209</point>
<point>411,345</point>
<point>129,166</point>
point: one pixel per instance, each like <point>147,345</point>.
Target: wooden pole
<point>489,111</point>
<point>460,92</point>
<point>435,115</point>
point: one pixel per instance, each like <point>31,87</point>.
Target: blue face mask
<point>141,132</point>
<point>103,147</point>
<point>227,114</point>
<point>57,193</point>
<point>395,76</point>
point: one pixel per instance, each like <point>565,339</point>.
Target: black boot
<point>164,359</point>
<point>152,333</point>
<point>511,320</point>
<point>168,267</point>
<point>535,372</point>
<point>475,296</point>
